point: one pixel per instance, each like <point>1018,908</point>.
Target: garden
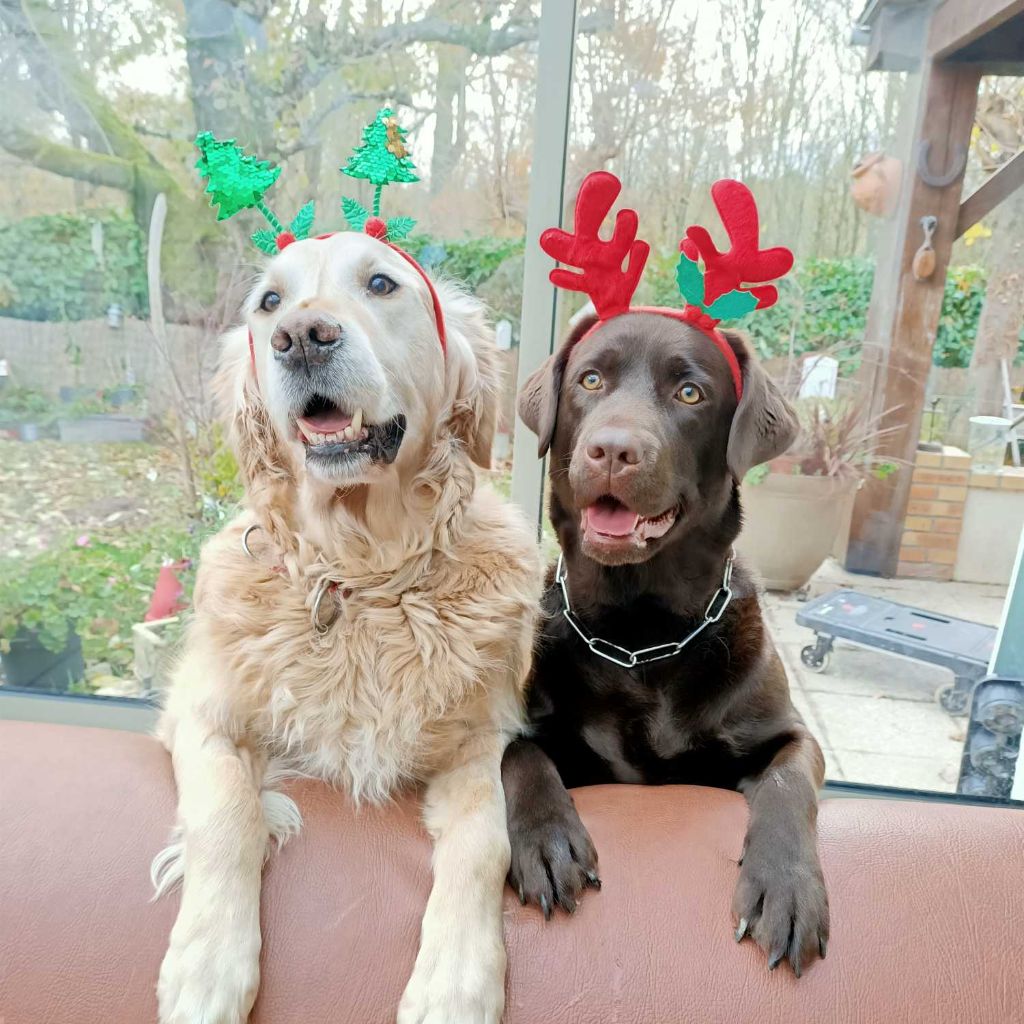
<point>88,518</point>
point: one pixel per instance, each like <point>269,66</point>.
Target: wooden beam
<point>984,200</point>
<point>956,23</point>
<point>904,313</point>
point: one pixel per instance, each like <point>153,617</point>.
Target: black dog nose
<point>306,336</point>
<point>614,450</point>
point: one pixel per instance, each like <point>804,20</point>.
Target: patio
<point>875,715</point>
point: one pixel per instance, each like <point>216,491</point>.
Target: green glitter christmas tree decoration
<point>236,181</point>
<point>382,159</point>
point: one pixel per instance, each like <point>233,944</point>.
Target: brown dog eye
<point>381,284</point>
<point>591,380</point>
<point>270,302</point>
<point>690,394</point>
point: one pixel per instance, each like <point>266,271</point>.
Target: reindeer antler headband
<point>609,271</point>
<point>238,181</point>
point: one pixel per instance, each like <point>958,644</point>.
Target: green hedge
<point>49,271</point>
<point>825,303</point>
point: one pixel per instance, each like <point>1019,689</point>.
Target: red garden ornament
<point>732,283</point>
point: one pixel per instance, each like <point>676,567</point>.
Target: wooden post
<point>904,313</point>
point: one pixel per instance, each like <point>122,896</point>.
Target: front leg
<point>553,858</point>
<point>210,973</point>
<point>459,976</point>
<point>780,898</point>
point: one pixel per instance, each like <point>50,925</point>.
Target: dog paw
<point>456,986</point>
<point>781,903</point>
<point>209,978</point>
<point>553,858</point>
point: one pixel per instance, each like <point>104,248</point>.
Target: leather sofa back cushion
<point>927,904</point>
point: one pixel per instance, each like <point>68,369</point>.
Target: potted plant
<point>39,646</point>
<point>796,506</point>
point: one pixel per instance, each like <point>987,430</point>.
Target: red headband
<point>609,272</point>
<point>376,228</point>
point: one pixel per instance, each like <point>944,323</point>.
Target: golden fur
<point>419,677</point>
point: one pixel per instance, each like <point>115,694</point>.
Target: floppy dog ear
<point>263,464</point>
<point>764,424</point>
<point>537,403</point>
<point>476,363</point>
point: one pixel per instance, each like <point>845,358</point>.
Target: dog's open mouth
<point>611,523</point>
<point>331,434</point>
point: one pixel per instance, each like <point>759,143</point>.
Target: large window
<point>113,467</point>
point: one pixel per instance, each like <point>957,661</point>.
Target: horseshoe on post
<point>924,150</point>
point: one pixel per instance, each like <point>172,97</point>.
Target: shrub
<point>51,271</point>
<point>99,588</point>
<point>823,304</point>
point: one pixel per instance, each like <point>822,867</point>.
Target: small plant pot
<point>28,432</point>
<point>122,397</point>
<point>31,666</point>
<point>101,429</point>
<point>69,395</point>
<point>790,524</point>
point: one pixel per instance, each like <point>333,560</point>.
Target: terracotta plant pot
<point>790,525</point>
<point>876,183</point>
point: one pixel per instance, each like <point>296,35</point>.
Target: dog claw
<point>522,896</point>
<point>593,880</point>
<point>822,947</point>
<point>742,929</point>
<point>545,908</point>
<point>774,960</point>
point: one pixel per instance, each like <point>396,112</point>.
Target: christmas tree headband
<point>609,272</point>
<point>237,181</point>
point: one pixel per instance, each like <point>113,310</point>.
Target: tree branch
<point>80,164</point>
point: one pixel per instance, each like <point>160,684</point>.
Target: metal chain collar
<point>630,659</point>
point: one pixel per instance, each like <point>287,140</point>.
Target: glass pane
<point>113,464</point>
<point>775,95</point>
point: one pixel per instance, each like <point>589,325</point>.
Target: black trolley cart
<point>958,645</point>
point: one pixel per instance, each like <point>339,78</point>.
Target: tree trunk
<point>215,49</point>
<point>450,112</point>
<point>999,326</point>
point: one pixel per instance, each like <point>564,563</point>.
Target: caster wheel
<point>952,701</point>
<point>814,661</point>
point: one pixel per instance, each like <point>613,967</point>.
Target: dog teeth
<point>357,423</point>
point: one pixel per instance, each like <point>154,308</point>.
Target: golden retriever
<point>367,620</point>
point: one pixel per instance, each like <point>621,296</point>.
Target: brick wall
<point>935,512</point>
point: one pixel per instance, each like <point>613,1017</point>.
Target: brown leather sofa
<point>927,906</point>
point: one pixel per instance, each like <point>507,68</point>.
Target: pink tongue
<point>326,422</point>
<point>613,520</point>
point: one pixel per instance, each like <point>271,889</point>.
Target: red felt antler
<point>744,262</point>
<point>606,275</point>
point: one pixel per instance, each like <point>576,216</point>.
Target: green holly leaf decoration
<point>355,213</point>
<point>383,157</point>
<point>732,305</point>
<point>302,222</point>
<point>265,241</point>
<point>399,228</point>
<point>235,180</point>
<point>690,280</point>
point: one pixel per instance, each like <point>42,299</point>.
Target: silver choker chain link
<point>630,659</point>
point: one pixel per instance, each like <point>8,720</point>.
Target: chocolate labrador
<point>653,664</point>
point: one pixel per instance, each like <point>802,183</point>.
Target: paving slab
<point>874,714</point>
